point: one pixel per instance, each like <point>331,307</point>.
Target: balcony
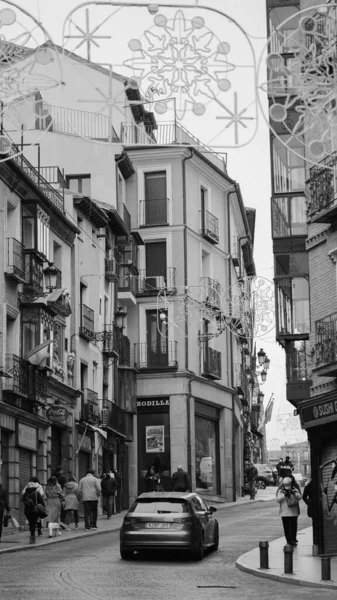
<point>15,260</point>
<point>112,259</point>
<point>299,372</point>
<point>110,337</point>
<point>160,356</point>
<point>128,249</point>
<point>326,346</point>
<point>209,227</point>
<point>18,384</point>
<point>90,409</point>
<point>150,285</point>
<point>212,363</point>
<point>322,191</point>
<point>153,212</point>
<point>54,176</point>
<point>124,213</point>
<point>211,292</point>
<point>127,388</point>
<point>33,272</point>
<point>127,285</point>
<point>120,420</point>
<point>87,327</point>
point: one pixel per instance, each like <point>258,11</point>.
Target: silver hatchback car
<point>169,521</point>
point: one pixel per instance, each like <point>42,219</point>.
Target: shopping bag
<point>15,523</point>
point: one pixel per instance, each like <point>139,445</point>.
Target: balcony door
<point>155,257</point>
<point>157,338</point>
<point>155,198</point>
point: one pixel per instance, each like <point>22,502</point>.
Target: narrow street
<point>91,569</point>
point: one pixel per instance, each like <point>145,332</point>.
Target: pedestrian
<point>90,490</point>
<point>108,488</point>
<point>31,497</point>
<point>152,479</point>
<point>288,497</point>
<point>275,475</point>
<point>251,476</point>
<point>180,480</point>
<point>71,493</point>
<point>61,480</point>
<point>278,468</point>
<point>3,506</point>
<point>286,468</point>
<point>54,497</point>
<point>41,492</point>
<point>308,498</point>
<point>293,482</point>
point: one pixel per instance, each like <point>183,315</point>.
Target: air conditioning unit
<point>154,282</point>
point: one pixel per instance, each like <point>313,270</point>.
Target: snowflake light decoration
<point>25,51</point>
<point>249,306</point>
<point>301,62</point>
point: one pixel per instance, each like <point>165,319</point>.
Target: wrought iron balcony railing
<point>18,368</point>
<point>90,408</point>
<point>326,342</point>
<point>322,189</point>
<point>111,336</point>
<point>127,281</point>
<point>153,212</point>
<point>15,260</point>
<point>161,355</point>
<point>212,363</point>
<point>211,291</point>
<point>87,327</point>
<point>152,284</point>
<point>209,226</point>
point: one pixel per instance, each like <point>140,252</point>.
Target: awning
<point>116,432</point>
<point>257,433</point>
<point>99,430</point>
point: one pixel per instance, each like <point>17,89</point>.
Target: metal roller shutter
<point>25,464</point>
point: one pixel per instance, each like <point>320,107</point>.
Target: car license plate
<point>157,525</point>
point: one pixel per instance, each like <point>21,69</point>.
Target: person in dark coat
<point>307,498</point>
<point>31,498</point>
<point>152,479</point>
<point>251,476</point>
<point>286,468</point>
<point>3,506</point>
<point>108,487</point>
<point>180,480</point>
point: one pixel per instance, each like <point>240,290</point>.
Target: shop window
<point>206,453</point>
<point>289,216</point>
<point>288,164</point>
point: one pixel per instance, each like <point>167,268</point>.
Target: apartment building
<point>302,51</point>
<point>160,238</point>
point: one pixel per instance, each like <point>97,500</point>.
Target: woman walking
<point>71,501</point>
<point>31,497</point>
<point>288,497</point>
<point>54,497</point>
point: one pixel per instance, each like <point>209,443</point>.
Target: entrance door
<point>157,338</point>
<point>25,465</point>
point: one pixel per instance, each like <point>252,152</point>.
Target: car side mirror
<point>212,509</point>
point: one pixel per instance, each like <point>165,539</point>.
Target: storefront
<point>207,461</point>
<point>319,418</point>
<point>153,422</point>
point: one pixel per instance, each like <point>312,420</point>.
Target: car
<point>169,521</point>
<point>264,476</point>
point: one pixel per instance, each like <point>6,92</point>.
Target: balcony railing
<point>124,213</point>
<point>211,291</point>
<point>166,134</point>
<point>209,226</point>
<point>322,188</point>
<point>127,282</point>
<point>326,344</point>
<point>87,327</point>
<point>153,212</point>
<point>18,368</point>
<point>15,260</point>
<point>212,363</point>
<point>33,272</point>
<point>111,336</point>
<point>53,175</point>
<point>152,284</point>
<point>112,265</point>
<point>159,356</point>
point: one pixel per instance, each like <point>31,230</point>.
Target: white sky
<point>249,165</point>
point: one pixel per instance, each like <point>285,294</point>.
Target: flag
<point>269,410</point>
<point>38,355</point>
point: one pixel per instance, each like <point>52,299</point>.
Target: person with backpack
<point>31,498</point>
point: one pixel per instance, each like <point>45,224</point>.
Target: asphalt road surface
<point>91,568</point>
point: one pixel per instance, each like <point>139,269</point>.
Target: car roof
<point>165,495</point>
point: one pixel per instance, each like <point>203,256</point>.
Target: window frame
<point>141,172</point>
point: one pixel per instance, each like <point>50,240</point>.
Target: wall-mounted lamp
<point>261,357</point>
<point>120,316</point>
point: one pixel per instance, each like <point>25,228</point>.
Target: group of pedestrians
<point>180,480</point>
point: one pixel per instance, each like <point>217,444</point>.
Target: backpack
<point>29,499</point>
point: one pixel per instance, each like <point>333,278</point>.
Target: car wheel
<point>126,553</point>
<point>215,545</point>
<point>261,484</point>
<point>200,552</point>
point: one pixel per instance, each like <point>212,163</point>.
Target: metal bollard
<point>288,558</point>
<point>326,568</point>
<point>264,558</point>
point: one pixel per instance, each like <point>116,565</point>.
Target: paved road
<point>91,569</point>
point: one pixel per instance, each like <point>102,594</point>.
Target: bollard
<point>264,559</point>
<point>326,568</point>
<point>288,558</point>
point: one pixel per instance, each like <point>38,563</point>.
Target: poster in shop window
<point>155,438</point>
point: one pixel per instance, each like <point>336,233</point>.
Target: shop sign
<point>153,403</point>
<point>27,437</point>
<point>57,414</point>
<point>319,411</point>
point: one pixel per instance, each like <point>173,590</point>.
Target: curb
<point>283,578</point>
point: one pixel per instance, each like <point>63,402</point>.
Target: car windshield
<point>155,505</point>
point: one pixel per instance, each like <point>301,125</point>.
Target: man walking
<point>90,490</point>
<point>108,487</point>
<point>286,469</point>
<point>251,476</point>
<point>180,480</point>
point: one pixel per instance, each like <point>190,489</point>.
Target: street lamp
<point>266,363</point>
<point>261,357</point>
<point>50,277</point>
<point>120,316</point>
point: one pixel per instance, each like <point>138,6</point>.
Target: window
<point>155,211</point>
<point>80,184</point>
<point>36,230</point>
<point>288,164</point>
<point>37,327</point>
<point>292,296</point>
<point>157,506</point>
<point>206,451</point>
<point>283,29</point>
<point>293,264</point>
<point>155,257</point>
<point>289,216</point>
<point>157,338</point>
